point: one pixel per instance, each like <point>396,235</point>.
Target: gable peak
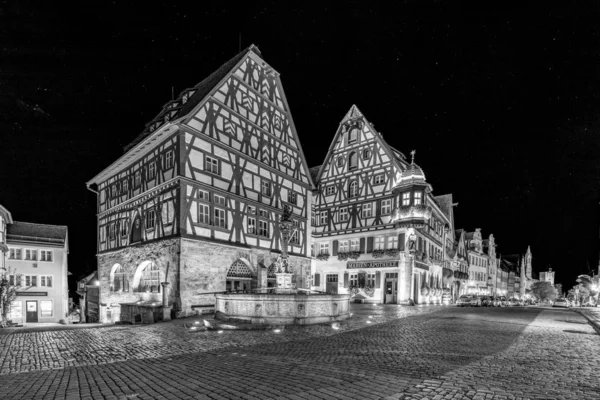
<point>352,114</point>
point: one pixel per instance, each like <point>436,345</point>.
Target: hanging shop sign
<point>372,264</point>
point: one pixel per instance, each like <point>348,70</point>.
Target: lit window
<point>150,219</point>
<point>169,159</point>
<point>353,279</point>
<point>353,192</point>
<point>324,248</point>
<point>31,254</point>
<point>46,255</point>
<point>367,210</point>
<point>366,154</point>
<point>354,245</point>
<point>392,242</point>
<point>353,161</point>
<point>263,228</point>
<point>418,198</point>
<point>220,218</point>
<point>343,246</point>
<point>292,197</point>
<point>330,190</point>
<point>211,165</point>
<point>371,279</point>
<point>16,310</point>
<point>251,226</point>
<point>323,218</point>
<point>203,214</point>
<point>45,308</point>
<point>46,280</point>
<point>265,188</point>
<point>386,206</point>
<point>378,179</point>
<point>406,198</point>
<point>379,243</point>
<point>344,214</point>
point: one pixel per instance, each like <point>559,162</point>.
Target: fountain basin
<point>282,309</point>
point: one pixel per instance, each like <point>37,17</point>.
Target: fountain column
<point>284,273</point>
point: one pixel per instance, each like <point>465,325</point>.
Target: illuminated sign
<point>372,264</point>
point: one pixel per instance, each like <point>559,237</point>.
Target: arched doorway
<point>239,277</point>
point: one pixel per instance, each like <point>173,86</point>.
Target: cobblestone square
<point>403,353</point>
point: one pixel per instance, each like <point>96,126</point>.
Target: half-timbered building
<point>478,263</point>
<point>460,264</point>
<point>370,204</point>
<point>193,205</point>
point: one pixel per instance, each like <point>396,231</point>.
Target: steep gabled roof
<point>189,98</point>
<point>354,113</point>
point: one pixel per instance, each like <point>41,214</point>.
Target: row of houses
<point>193,206</point>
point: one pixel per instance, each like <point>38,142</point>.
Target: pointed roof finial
<point>412,154</point>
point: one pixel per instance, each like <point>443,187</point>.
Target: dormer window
<point>353,161</point>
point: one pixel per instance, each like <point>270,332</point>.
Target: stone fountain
<point>286,305</point>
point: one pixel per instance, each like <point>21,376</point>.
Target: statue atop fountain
<point>284,270</point>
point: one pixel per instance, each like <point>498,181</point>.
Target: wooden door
<point>391,290</point>
<point>32,311</point>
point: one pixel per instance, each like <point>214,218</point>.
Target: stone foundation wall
<point>204,268</point>
<point>163,253</point>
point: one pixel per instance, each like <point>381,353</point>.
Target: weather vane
<point>412,153</point>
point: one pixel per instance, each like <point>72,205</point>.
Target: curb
<point>594,323</point>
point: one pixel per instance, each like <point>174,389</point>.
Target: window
<point>386,206</point>
<point>31,280</point>
<point>263,228</point>
<point>379,243</point>
<point>251,210</point>
<point>46,255</point>
<point>137,180</point>
<point>263,213</point>
<point>45,308</point>
<point>16,310</point>
<point>330,190</point>
<point>353,135</point>
<point>46,280</point>
<point>112,231</point>
<point>323,218</point>
<point>367,210</point>
<point>251,226</point>
<point>354,245</point>
<point>343,246</point>
<point>169,159</point>
<point>340,161</point>
<point>324,248</point>
<point>371,279</point>
<point>124,227</point>
<point>120,281</point>
<point>31,254</point>
<point>113,190</point>
<point>203,214</point>
<point>406,199</point>
<point>353,163</point>
<point>295,234</point>
<point>220,218</point>
<point>265,188</point>
<point>219,200</point>
<point>125,186</point>
<point>353,279</point>
<point>378,180</point>
<point>203,195</point>
<point>211,165</point>
<point>366,154</point>
<point>15,254</point>
<point>150,218</point>
<point>353,192</point>
<point>344,214</point>
<point>392,242</point>
<point>151,170</point>
<point>149,281</point>
<point>417,199</point>
<point>292,197</point>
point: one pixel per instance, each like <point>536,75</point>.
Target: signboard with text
<point>32,293</point>
<point>372,264</point>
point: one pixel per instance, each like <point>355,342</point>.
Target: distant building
<point>34,256</point>
<point>547,276</point>
<point>478,263</point>
<point>489,246</point>
<point>88,290</point>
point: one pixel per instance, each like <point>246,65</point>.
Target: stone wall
<point>204,267</point>
<point>163,253</point>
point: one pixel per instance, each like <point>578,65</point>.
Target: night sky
<point>501,105</point>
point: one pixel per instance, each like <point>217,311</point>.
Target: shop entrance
<point>331,285</point>
<point>391,288</point>
<point>32,314</point>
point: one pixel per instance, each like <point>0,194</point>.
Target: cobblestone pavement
<point>591,314</point>
<point>405,353</point>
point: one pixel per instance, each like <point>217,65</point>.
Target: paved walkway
<point>591,314</point>
<point>405,353</point>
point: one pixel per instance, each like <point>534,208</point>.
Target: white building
<point>547,276</point>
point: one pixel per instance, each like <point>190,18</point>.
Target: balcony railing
<point>413,215</point>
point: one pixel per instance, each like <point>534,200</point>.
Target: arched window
<point>353,161</point>
<point>239,277</point>
<point>149,278</point>
<point>118,280</point>
<point>353,191</point>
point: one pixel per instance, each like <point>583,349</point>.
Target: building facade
<point>489,246</point>
<point>478,263</point>
<point>547,276</point>
<point>35,261</point>
<point>192,207</point>
<point>378,232</point>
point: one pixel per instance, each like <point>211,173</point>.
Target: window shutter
<point>317,280</point>
<point>362,245</point>
<point>378,279</point>
<point>335,248</point>
<point>346,279</point>
<point>370,244</point>
<point>420,244</point>
<point>401,241</point>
